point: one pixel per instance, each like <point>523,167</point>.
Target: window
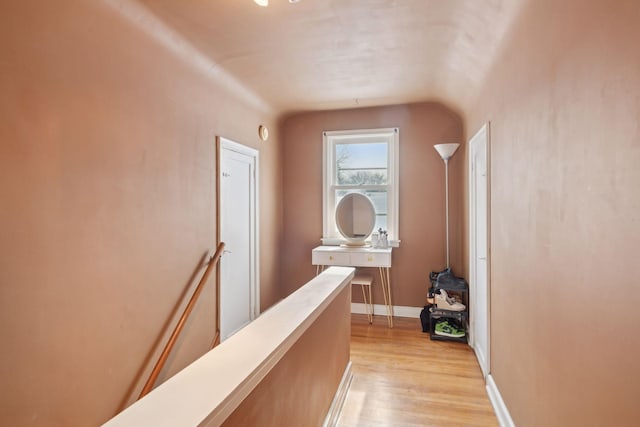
<point>361,161</point>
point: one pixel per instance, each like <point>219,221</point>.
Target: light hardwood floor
<point>402,378</point>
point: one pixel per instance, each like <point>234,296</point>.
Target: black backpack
<point>424,318</point>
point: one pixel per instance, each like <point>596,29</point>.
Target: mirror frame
<point>356,241</point>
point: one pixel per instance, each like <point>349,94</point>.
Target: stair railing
<point>213,261</point>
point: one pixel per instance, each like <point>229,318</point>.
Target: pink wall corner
<point>564,100</point>
<point>107,171</point>
<point>421,192</point>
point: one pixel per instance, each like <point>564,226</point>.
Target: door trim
<point>227,144</point>
<point>482,136</point>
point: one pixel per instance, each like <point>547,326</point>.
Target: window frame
<point>329,186</point>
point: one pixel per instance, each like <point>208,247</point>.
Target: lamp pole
<point>446,151</point>
<point>446,203</point>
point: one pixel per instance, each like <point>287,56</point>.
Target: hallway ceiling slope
<point>330,54</point>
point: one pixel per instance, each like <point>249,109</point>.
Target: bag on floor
<point>424,318</point>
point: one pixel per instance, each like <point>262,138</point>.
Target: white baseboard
<point>502,413</point>
<point>331,419</point>
<point>381,310</point>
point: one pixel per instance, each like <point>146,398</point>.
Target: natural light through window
<point>362,161</point>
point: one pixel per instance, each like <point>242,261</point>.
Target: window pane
<point>361,164</point>
<point>363,161</point>
<point>379,199</point>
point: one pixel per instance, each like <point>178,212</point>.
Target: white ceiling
<point>325,54</point>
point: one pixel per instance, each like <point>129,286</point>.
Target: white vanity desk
<point>358,257</point>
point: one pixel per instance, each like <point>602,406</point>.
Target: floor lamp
<point>446,151</point>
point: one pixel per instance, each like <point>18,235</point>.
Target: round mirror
<point>355,218</point>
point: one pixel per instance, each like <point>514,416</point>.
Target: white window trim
<point>329,139</point>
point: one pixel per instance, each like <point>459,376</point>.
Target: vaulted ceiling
<point>325,54</point>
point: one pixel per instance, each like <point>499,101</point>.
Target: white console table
<point>358,257</point>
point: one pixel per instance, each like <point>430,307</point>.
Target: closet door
<point>237,228</point>
<point>479,247</point>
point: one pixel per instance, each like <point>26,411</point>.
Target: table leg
<point>367,304</point>
<point>388,272</point>
<point>371,305</point>
<point>386,292</point>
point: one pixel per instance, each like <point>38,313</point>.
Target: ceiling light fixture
<point>265,3</point>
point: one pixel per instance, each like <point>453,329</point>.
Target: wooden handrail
<point>176,332</point>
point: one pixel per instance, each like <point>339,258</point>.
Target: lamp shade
<point>446,151</point>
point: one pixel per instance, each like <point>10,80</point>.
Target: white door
<point>237,228</point>
<point>479,250</point>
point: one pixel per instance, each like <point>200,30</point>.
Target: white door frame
<point>481,137</point>
<point>222,145</point>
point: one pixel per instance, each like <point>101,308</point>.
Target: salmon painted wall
<point>422,220</point>
<point>305,381</point>
<point>564,104</point>
<point>107,184</point>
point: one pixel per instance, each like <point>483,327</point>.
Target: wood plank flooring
<point>402,378</point>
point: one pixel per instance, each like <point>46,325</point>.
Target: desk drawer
<point>330,258</point>
<point>371,260</point>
